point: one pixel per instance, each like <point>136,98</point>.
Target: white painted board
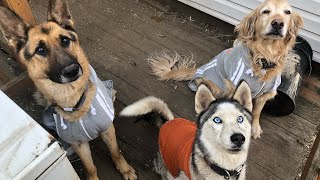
<point>232,11</point>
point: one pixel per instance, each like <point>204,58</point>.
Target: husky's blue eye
<point>240,119</point>
<point>217,120</point>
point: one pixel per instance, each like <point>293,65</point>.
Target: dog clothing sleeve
<point>98,119</point>
<point>234,64</point>
<point>176,138</point>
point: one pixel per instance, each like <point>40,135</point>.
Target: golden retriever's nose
<point>277,24</point>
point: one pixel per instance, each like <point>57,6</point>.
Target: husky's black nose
<point>71,73</point>
<point>238,139</point>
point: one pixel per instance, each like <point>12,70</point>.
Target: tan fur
<point>258,104</point>
<point>171,67</point>
<point>60,95</point>
<point>69,93</point>
<point>83,109</point>
<point>215,90</point>
<point>252,32</point>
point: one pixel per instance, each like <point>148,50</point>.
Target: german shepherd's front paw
<point>130,174</point>
<point>92,177</point>
<point>256,131</point>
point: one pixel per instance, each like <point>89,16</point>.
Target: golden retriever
<point>267,35</point>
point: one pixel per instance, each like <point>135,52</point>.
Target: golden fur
<point>254,32</point>
<point>26,40</point>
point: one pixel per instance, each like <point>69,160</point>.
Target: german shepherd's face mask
<point>50,51</point>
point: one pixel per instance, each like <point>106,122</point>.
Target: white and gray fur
<point>212,140</point>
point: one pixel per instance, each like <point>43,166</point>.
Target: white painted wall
<point>232,11</point>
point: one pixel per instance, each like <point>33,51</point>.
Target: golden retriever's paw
<point>130,174</point>
<point>256,131</point>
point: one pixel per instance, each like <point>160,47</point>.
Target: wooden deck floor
<point>118,36</point>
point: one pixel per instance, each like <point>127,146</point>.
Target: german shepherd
<point>216,147</point>
<point>63,77</point>
<point>265,37</point>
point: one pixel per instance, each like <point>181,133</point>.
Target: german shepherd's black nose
<point>71,73</point>
<point>238,139</point>
<point>277,24</point>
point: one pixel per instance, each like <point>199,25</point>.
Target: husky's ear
<point>203,98</point>
<point>243,95</point>
<point>58,12</point>
<point>13,28</point>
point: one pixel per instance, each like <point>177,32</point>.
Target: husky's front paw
<point>256,131</point>
<point>130,174</point>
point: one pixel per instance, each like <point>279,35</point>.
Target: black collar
<point>81,100</point>
<point>79,103</point>
<point>265,64</point>
<point>223,172</point>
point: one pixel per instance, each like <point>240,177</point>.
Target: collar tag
<point>239,169</point>
<point>228,174</point>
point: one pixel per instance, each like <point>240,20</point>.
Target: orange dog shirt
<point>176,139</point>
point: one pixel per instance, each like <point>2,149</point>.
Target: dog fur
<point>212,140</point>
<point>255,32</point>
<point>43,49</point>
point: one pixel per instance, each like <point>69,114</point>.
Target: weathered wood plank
<point>119,35</point>
<point>307,110</point>
<point>312,168</point>
<point>22,8</point>
<point>282,140</point>
<point>310,89</point>
<point>304,130</point>
<point>17,86</point>
<point>258,172</point>
<point>273,160</point>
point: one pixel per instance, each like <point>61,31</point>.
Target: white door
<point>232,11</point>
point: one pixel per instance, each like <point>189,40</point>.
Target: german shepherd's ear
<point>243,95</point>
<point>203,98</point>
<point>58,12</point>
<point>13,28</point>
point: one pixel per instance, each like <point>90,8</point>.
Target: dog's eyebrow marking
<point>45,30</point>
<point>72,36</point>
<point>27,53</point>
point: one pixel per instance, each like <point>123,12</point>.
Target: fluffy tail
<point>148,105</point>
<point>171,67</point>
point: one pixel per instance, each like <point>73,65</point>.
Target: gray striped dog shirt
<point>98,119</point>
<point>234,64</point>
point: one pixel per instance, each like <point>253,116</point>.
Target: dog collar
<point>82,99</point>
<point>266,64</point>
<point>79,103</point>
<point>227,174</point>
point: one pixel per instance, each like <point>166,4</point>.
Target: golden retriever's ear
<point>295,24</point>
<point>246,29</point>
